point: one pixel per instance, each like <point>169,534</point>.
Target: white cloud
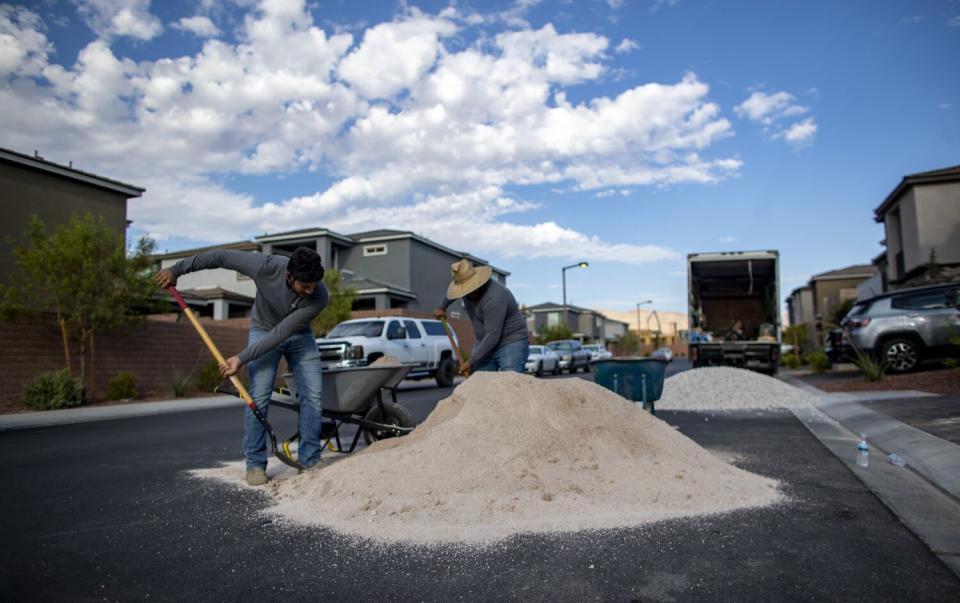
<point>800,132</point>
<point>23,44</point>
<point>944,105</point>
<point>954,21</point>
<point>406,132</point>
<point>771,110</point>
<point>109,18</point>
<point>728,239</point>
<point>198,25</point>
<point>626,45</point>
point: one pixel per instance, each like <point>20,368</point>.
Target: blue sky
<point>626,133</point>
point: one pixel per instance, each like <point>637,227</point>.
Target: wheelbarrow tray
<point>631,377</point>
<point>353,390</point>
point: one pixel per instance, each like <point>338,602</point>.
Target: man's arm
<point>243,262</point>
<point>441,310</point>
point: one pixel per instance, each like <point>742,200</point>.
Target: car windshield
<point>536,349</point>
<point>560,345</point>
<point>592,348</point>
<point>367,328</point>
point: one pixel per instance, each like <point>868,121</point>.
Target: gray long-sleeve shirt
<point>496,319</point>
<point>276,309</point>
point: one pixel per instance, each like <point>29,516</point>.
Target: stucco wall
<point>938,221</point>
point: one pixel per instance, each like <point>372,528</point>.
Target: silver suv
<point>903,328</point>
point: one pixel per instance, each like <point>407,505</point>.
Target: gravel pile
<point>509,454</point>
<point>724,388</point>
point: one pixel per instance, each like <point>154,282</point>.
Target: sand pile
<point>724,388</point>
<point>507,453</point>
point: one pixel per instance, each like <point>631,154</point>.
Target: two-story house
<point>921,220</point>
<point>586,325</point>
<point>31,185</point>
<point>814,304</point>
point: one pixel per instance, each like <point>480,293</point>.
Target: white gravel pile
<point>724,388</point>
<point>507,454</point>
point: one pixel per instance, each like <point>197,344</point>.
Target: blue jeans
<point>509,357</point>
<point>303,359</point>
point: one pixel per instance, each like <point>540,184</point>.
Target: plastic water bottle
<point>863,452</point>
<point>896,459</point>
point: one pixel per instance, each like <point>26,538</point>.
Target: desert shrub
<point>122,386</point>
<point>818,361</point>
<point>791,361</point>
<point>180,384</point>
<point>208,377</point>
<point>53,389</point>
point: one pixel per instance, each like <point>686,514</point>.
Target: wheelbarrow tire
<point>395,415</point>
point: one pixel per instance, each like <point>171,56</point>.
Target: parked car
<point>542,360</point>
<point>901,329</point>
<point>665,353</point>
<point>418,341</point>
<point>572,355</point>
<point>597,351</point>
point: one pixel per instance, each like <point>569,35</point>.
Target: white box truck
<point>734,311</point>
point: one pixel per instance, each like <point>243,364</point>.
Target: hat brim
<point>480,276</point>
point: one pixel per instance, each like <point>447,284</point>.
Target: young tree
<point>81,275</point>
<point>340,306</point>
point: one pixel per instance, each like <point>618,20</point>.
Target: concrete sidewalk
<point>47,418</point>
<point>925,494</point>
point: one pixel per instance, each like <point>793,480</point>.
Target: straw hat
<point>467,278</point>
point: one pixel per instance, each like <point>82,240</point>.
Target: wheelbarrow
<point>354,396</point>
<point>636,379</point>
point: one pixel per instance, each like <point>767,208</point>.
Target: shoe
<point>256,476</point>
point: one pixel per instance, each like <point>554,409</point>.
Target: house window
<point>553,319</point>
<point>379,249</point>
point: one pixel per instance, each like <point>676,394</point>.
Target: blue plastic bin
<point>636,379</point>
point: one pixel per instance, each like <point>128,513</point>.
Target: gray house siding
<point>392,268</point>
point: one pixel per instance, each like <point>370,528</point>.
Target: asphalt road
<point>105,511</point>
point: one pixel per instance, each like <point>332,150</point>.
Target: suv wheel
<point>445,372</point>
<point>900,355</point>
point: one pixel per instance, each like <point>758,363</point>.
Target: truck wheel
<point>445,372</point>
<point>539,371</point>
<point>901,355</point>
<point>395,415</point>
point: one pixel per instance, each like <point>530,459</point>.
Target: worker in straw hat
<point>501,332</point>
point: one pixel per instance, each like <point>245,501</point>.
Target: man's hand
<point>164,278</point>
<point>230,367</point>
<point>439,313</point>
<point>465,369</point>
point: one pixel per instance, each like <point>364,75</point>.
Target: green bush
<point>208,378</point>
<point>818,361</point>
<point>791,361</point>
<point>181,384</point>
<point>122,386</point>
<point>53,389</point>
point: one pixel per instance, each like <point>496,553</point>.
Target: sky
<point>534,134</point>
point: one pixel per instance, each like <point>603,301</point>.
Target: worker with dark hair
<point>290,294</point>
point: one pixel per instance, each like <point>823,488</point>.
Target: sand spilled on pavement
<point>724,388</point>
<point>507,454</point>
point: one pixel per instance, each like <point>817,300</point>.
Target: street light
<point>648,301</point>
<point>564,273</point>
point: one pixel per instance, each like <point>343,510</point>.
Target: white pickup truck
<point>418,341</point>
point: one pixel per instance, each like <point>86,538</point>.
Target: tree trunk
<point>83,356</point>
<point>66,345</point>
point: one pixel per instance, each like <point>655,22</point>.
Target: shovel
<point>453,343</point>
<point>284,456</point>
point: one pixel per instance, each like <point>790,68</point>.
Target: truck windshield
<point>561,345</point>
<point>367,328</point>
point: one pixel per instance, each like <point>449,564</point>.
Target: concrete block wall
<point>153,351</point>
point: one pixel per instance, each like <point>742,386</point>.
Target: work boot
<point>256,476</point>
